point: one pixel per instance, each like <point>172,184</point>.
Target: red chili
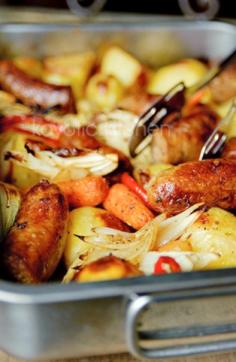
<point>130,182</point>
<point>159,267</point>
<point>28,124</point>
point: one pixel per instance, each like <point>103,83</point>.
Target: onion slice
<point>134,246</point>
<point>10,200</point>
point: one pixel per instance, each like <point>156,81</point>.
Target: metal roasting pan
<point>152,317</point>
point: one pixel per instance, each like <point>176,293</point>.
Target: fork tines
<point>217,138</point>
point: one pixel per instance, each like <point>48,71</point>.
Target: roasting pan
<point>151,317</point>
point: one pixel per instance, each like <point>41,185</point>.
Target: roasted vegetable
<point>90,190</point>
<point>31,66</point>
<point>145,173</point>
<point>106,268</point>
<point>35,244</point>
<point>69,69</point>
<point>213,232</point>
<point>104,91</point>
<point>50,165</point>
<point>115,129</point>
<point>82,222</point>
<point>165,262</point>
<point>121,65</point>
<point>104,241</point>
<point>10,199</point>
<point>189,71</point>
<point>128,207</point>
<point>17,174</point>
<point>222,109</point>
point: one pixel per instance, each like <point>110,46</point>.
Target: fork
<point>173,100</point>
<point>217,139</point>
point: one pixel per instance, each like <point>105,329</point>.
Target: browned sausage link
<point>230,149</point>
<point>181,139</point>
<point>34,92</point>
<point>212,182</point>
<point>223,87</point>
<point>35,243</point>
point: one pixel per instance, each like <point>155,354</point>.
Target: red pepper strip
<point>130,182</point>
<point>34,125</point>
<point>159,267</point>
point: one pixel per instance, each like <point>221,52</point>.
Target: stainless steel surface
<point>78,8</point>
<point>190,325</point>
<point>75,320</point>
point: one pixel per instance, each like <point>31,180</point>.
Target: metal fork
<point>173,100</point>
<point>218,138</point>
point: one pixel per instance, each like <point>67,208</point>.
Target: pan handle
<point>136,337</point>
<point>199,9</point>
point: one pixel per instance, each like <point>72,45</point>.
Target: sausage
<point>223,87</point>
<point>180,139</point>
<point>35,244</point>
<point>138,102</point>
<point>212,182</point>
<point>34,92</point>
<point>230,149</point>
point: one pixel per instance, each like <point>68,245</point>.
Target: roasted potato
<point>6,99</point>
<point>222,109</point>
<point>121,65</point>
<point>104,91</point>
<point>213,232</point>
<point>31,66</point>
<point>35,243</point>
<point>144,174</point>
<point>69,69</point>
<point>106,268</point>
<point>16,174</point>
<point>82,221</point>
<point>189,71</point>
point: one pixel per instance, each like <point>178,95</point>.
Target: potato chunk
<point>214,231</point>
<point>189,71</point>
<point>121,65</point>
<point>106,268</point>
<point>82,221</point>
<point>69,69</point>
<point>104,91</point>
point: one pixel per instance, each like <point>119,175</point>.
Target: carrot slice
<point>87,191</point>
<point>128,207</point>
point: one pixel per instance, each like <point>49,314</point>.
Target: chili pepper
<point>130,182</point>
<point>163,261</point>
<point>34,125</point>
